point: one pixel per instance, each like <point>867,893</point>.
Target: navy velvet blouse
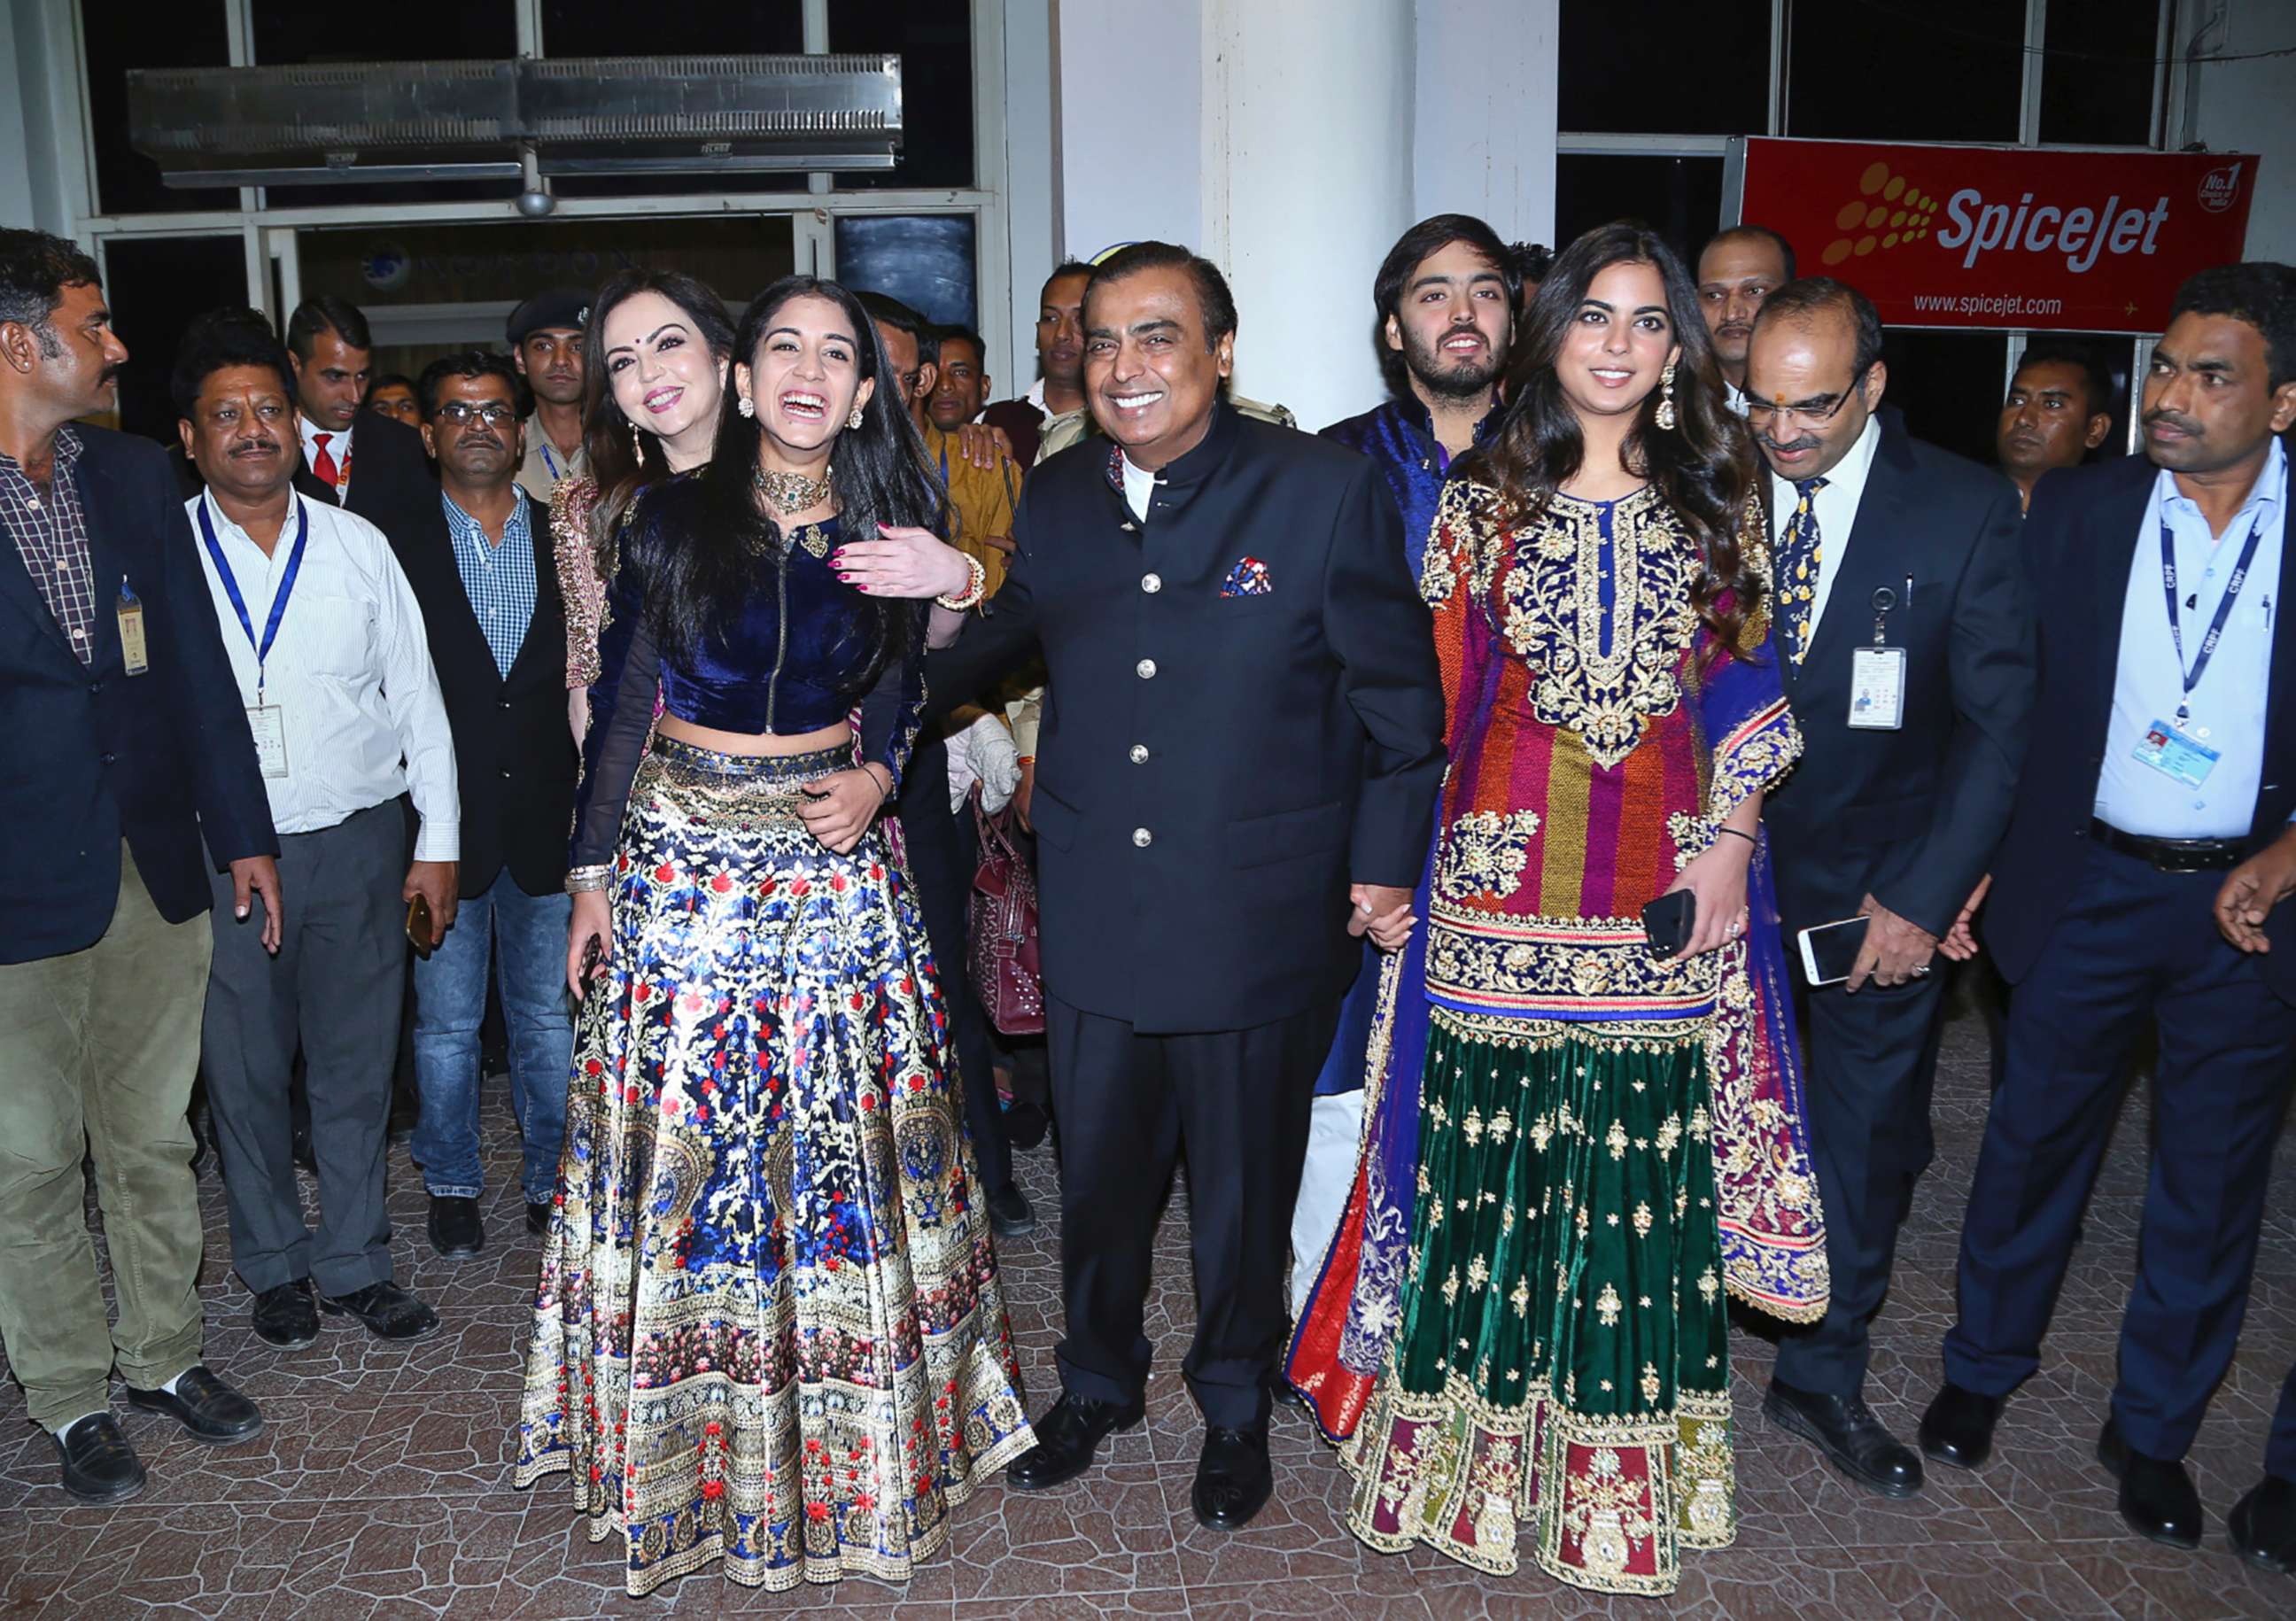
<point>794,659</point>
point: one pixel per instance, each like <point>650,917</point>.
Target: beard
<point>1450,377</point>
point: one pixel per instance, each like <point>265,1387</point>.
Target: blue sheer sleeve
<point>621,713</point>
<point>892,712</point>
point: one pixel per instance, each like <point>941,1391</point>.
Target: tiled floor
<point>379,1487</point>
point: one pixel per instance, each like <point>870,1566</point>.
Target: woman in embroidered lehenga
<point>769,1328</point>
<point>1575,1148</point>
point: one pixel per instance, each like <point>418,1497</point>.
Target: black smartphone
<point>1668,920</point>
<point>1829,952</point>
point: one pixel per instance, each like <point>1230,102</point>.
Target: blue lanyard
<point>550,460</point>
<point>2224,607</point>
<point>279,599</point>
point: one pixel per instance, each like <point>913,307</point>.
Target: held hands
<point>257,875</point>
<point>839,808</point>
<point>1960,942</point>
<point>1717,879</point>
<point>910,564</point>
<point>436,882</point>
<point>591,929</point>
<point>1895,950</point>
<point>2251,889</point>
<point>1383,912</point>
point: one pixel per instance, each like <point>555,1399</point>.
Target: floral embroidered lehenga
<point>1573,1152</point>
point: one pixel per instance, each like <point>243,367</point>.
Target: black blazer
<point>513,753</point>
<point>1288,743</point>
<point>1911,816</point>
<point>95,754</point>
<point>2080,543</point>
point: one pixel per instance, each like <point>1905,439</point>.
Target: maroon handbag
<point>1005,972</point>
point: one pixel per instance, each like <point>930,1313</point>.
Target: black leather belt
<point>2169,854</point>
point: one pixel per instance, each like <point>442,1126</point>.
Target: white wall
<point>2248,106</point>
<point>1130,109</point>
<point>1483,134</point>
<point>15,140</point>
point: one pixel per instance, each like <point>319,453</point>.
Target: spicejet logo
<point>1889,211</point>
<point>2220,188</point>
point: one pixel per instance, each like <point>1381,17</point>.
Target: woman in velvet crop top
<point>768,1243</point>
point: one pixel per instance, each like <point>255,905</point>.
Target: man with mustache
<point>483,570</point>
<point>2139,892</point>
<point>1905,642</point>
<point>125,752</point>
<point>327,656</point>
<point>1737,269</point>
<point>545,345</point>
<point>2059,409</point>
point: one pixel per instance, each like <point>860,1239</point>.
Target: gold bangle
<point>976,587</point>
<point>583,880</point>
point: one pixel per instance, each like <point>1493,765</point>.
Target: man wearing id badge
<point>326,642</point>
<point>1905,639</point>
<point>2141,888</point>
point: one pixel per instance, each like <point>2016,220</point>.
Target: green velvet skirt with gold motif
<point>1563,1362</point>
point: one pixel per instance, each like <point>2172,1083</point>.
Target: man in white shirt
<point>327,645</point>
<point>1737,269</point>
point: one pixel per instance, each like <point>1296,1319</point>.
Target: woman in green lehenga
<point>1577,1148</point>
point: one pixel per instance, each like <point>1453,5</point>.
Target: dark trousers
<point>1870,1067</point>
<point>335,987</point>
<point>944,894</point>
<point>1236,1103</point>
<point>2134,944</point>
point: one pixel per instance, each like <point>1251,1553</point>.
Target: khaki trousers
<point>97,1050</point>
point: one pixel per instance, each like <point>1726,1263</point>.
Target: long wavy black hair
<point>1704,466</point>
<point>880,471</point>
<point>623,459</point>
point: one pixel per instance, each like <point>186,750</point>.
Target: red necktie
<point>323,463</point>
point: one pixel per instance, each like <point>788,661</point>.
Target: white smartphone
<point>1829,952</point>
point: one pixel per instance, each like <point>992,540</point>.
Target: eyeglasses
<point>1811,412</point>
<point>494,414</point>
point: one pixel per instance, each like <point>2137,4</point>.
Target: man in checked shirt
<point>126,743</point>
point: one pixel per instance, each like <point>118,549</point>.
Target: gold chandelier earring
<point>1665,417</point>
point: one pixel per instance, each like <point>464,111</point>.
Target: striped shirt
<point>499,580</point>
<point>50,532</point>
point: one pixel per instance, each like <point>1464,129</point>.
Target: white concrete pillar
<point>1485,118</point>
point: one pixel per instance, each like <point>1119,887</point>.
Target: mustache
<point>2174,418</point>
<point>1809,441</point>
<point>478,441</point>
<point>249,446</point>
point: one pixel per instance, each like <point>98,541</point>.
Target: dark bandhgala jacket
<point>514,754</point>
<point>1911,816</point>
<point>1243,716</point>
<point>2080,542</point>
<point>95,754</point>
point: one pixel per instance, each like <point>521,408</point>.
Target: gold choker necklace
<point>789,493</point>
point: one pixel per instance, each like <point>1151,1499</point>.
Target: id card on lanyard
<point>1877,674</point>
<point>264,720</point>
<point>2167,746</point>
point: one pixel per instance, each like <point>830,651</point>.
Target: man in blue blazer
<point>2141,885</point>
<point>127,744</point>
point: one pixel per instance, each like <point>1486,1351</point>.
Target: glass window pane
<point>1949,385</point>
<point>1711,78</point>
<point>1679,198</point>
<point>934,39</point>
<point>713,28</point>
<point>293,32</point>
<point>925,261</point>
<point>1931,71</point>
<point>2097,81</point>
<point>155,287</point>
<point>127,181</point>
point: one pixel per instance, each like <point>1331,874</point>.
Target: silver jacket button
<point>1152,583</point>
<point>1142,837</point>
<point>1145,669</point>
<point>1139,754</point>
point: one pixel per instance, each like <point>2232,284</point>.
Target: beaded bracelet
<point>581,880</point>
<point>976,587</point>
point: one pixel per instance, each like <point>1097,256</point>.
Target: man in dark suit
<point>126,744</point>
<point>479,561</point>
<point>2140,884</point>
<point>1246,720</point>
<point>1906,644</point>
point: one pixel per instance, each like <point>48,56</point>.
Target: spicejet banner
<point>1989,236</point>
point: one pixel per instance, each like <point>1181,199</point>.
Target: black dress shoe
<point>538,1216</point>
<point>2157,1498</point>
<point>1853,1440</point>
<point>99,1465</point>
<point>1010,1214</point>
<point>1233,1477</point>
<point>1283,1393</point>
<point>388,1311</point>
<point>1067,1438</point>
<point>284,1315</point>
<point>2263,1525</point>
<point>455,1229</point>
<point>211,1410</point>
<point>1958,1427</point>
<point>1024,1126</point>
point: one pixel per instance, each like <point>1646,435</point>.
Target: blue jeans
<point>528,934</point>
